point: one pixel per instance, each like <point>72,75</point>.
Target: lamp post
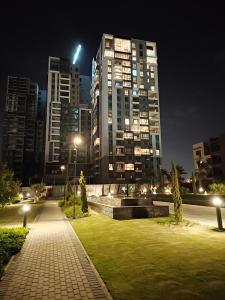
<point>218,202</point>
<point>25,209</point>
<point>77,141</point>
<point>62,168</point>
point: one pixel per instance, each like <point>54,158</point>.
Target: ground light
<point>218,203</point>
<point>25,209</point>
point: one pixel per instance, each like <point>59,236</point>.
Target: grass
<point>13,214</point>
<point>154,259</point>
<point>11,241</point>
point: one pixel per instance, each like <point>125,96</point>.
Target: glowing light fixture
<point>76,54</point>
<point>201,190</point>
<point>217,201</point>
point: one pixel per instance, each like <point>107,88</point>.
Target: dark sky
<point>191,55</point>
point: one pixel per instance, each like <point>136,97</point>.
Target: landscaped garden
<point>155,259</point>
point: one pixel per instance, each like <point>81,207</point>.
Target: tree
<point>181,172</point>
<point>178,211</point>
<point>38,189</point>
<point>194,183</point>
<point>9,188</point>
<point>82,182</point>
<point>165,177</point>
<point>203,171</point>
<point>217,188</point>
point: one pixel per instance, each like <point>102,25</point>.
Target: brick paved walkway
<point>52,264</point>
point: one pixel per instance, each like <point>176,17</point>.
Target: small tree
<point>84,204</point>
<point>178,211</point>
<point>217,188</point>
<point>9,188</point>
<point>38,189</point>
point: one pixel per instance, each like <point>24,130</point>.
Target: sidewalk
<point>52,264</point>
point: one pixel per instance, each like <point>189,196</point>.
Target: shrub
<point>15,201</point>
<point>217,188</point>
<point>68,211</point>
<point>11,241</point>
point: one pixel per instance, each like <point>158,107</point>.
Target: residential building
<point>126,135</point>
<point>211,153</point>
<point>63,120</point>
<point>19,133</point>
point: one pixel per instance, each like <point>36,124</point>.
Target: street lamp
<point>218,202</point>
<point>62,168</point>
<point>77,141</point>
<point>25,209</point>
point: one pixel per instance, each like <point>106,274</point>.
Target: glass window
<point>137,151</point>
<point>128,135</point>
<point>129,167</point>
<point>110,167</point>
<point>134,72</point>
<point>122,45</point>
<point>145,151</point>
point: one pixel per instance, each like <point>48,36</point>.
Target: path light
<point>25,209</point>
<point>78,193</point>
<point>28,194</point>
<point>201,190</point>
<point>217,201</point>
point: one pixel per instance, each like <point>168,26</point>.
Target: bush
<point>15,201</point>
<point>11,241</point>
<point>69,202</point>
<point>68,211</point>
<point>217,188</point>
<point>184,190</point>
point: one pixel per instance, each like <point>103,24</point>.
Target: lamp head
<point>25,208</point>
<point>217,201</point>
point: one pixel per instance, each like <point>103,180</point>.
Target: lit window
<point>152,75</point>
<point>151,68</point>
<point>152,88</point>
<point>145,151</point>
<point>135,93</point>
<point>126,70</point>
<point>150,52</point>
<point>134,52</point>
<point>136,128</point>
<point>109,83</point>
<point>134,72</point>
<point>109,120</point>
<point>127,121</point>
<point>126,63</point>
<point>97,141</point>
<point>109,53</point>
<point>109,69</point>
<point>143,114</point>
<point>151,151</point>
<point>137,151</point>
<point>120,167</point>
<point>145,136</point>
<point>144,129</point>
<point>129,167</point>
<point>127,83</point>
<point>136,136</point>
<point>126,92</point>
<point>143,93</point>
<point>110,167</point>
<point>126,77</point>
<point>142,86</point>
<point>109,62</point>
<point>136,121</point>
<point>128,135</point>
<point>134,58</point>
<point>109,76</point>
<point>133,45</point>
<point>122,45</point>
<point>157,152</point>
<point>151,60</point>
<point>141,74</point>
<point>143,121</point>
<point>135,86</point>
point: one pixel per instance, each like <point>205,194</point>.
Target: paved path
<point>52,264</point>
<point>205,215</point>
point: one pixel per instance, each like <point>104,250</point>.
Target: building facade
<point>63,120</point>
<point>212,154</point>
<point>19,134</point>
<point>126,135</point>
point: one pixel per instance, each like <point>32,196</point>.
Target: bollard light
<point>217,201</point>
<point>201,190</point>
<point>25,209</point>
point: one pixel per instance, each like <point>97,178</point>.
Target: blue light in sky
<point>76,54</point>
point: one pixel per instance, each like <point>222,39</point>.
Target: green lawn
<point>13,215</point>
<point>142,259</point>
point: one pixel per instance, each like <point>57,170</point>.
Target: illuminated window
<point>135,85</point>
<point>151,151</point>
<point>143,121</point>
<point>133,45</point>
<point>137,151</point>
<point>109,62</point>
<point>126,92</point>
<point>151,68</point>
<point>141,74</point>
<point>142,86</point>
<point>136,128</point>
<point>135,93</point>
<point>122,45</point>
<point>157,152</point>
<point>109,120</point>
<point>127,121</point>
<point>134,72</point>
<point>109,76</point>
<point>145,136</point>
<point>136,121</point>
<point>109,53</point>
<point>97,141</point>
<point>126,76</point>
<point>120,167</point>
<point>128,135</point>
<point>134,53</point>
<point>150,52</point>
<point>143,114</point>
<point>122,55</point>
<point>126,70</point>
<point>144,129</point>
<point>152,88</point>
<point>126,63</point>
<point>127,83</point>
<point>143,93</point>
<point>134,58</point>
<point>152,75</point>
<point>119,151</point>
<point>109,83</point>
<point>136,136</point>
<point>110,167</point>
<point>129,167</point>
<point>109,69</point>
<point>151,60</point>
<point>145,151</point>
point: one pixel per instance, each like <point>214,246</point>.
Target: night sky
<point>191,55</point>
